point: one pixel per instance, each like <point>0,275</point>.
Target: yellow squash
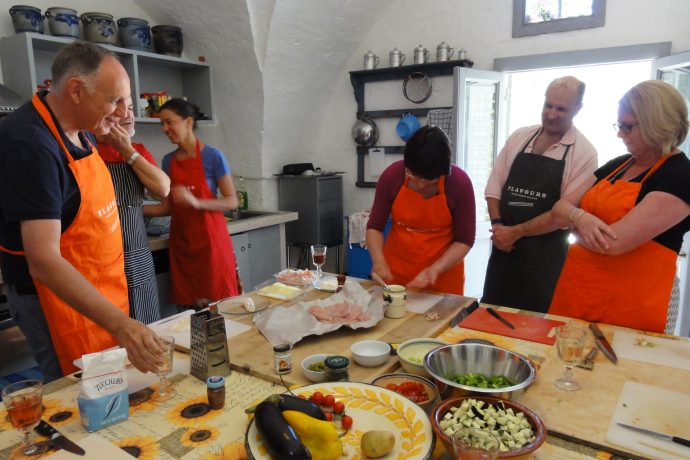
<point>320,437</point>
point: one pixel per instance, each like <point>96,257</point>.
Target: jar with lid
<point>396,58</point>
<point>335,368</point>
<point>421,55</point>
<point>370,61</point>
<point>215,391</point>
<point>444,52</point>
<point>282,358</point>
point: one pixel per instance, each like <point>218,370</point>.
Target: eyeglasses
<point>625,127</point>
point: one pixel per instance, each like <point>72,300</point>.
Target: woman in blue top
<point>202,259</point>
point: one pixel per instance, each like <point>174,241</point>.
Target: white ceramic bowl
<point>314,376</point>
<point>411,354</point>
<point>370,353</point>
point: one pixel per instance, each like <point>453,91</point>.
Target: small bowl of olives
<point>313,367</point>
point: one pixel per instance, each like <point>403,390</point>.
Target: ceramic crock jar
<point>63,22</point>
<point>99,28</point>
<point>134,33</point>
<point>167,40</point>
<point>26,19</point>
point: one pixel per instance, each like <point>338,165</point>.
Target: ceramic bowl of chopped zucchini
<point>313,367</point>
<point>519,430</point>
<point>411,354</point>
<point>464,369</point>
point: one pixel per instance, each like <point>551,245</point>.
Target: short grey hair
<point>569,82</point>
<point>81,59</point>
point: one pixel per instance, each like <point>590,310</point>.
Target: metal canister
<point>370,61</point>
<point>421,55</point>
<point>396,57</point>
<point>444,52</point>
<point>462,54</point>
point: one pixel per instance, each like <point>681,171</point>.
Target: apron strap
<point>48,119</point>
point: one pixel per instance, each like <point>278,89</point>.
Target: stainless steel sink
<point>246,214</point>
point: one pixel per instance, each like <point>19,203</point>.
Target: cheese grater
<point>209,345</point>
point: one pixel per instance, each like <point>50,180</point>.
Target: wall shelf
<point>358,78</point>
<point>27,57</point>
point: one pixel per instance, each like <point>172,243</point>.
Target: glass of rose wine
<point>318,257</point>
<point>23,401</point>
<point>165,389</point>
<point>570,343</point>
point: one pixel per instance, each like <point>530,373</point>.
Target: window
<point>534,17</point>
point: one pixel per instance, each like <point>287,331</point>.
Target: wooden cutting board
<point>532,328</point>
<point>652,408</point>
<point>671,352</point>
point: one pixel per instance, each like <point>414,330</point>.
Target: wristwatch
<point>498,220</point>
<point>132,158</point>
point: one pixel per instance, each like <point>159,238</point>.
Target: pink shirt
<point>580,163</point>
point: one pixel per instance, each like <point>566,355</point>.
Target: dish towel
<point>357,228</point>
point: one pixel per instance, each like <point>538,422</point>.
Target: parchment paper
<point>292,323</point>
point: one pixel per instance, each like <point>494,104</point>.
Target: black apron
<point>139,270</point>
<point>526,277</point>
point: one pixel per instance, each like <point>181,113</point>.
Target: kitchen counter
<point>238,226</point>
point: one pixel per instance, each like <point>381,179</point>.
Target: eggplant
<point>280,439</point>
<point>290,402</point>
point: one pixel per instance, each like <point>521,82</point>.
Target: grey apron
<point>141,277</point>
<point>526,277</point>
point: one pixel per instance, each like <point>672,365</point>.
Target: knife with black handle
<point>464,313</point>
<point>495,314</point>
<point>602,343</point>
<point>57,439</point>
<point>665,437</point>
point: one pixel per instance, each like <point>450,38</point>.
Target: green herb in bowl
<point>478,380</point>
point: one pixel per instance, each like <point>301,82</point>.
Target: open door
<point>675,69</point>
<point>475,122</point>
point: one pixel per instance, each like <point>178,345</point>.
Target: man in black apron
<point>540,161</point>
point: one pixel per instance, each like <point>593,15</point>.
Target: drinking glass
<point>23,401</point>
<point>165,389</point>
<point>570,343</point>
<point>474,444</point>
<point>318,258</point>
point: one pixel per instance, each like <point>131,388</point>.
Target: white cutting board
<point>665,352</point>
<point>178,326</point>
<point>95,446</point>
<point>652,408</point>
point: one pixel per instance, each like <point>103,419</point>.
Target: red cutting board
<point>527,327</point>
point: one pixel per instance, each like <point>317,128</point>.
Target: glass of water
<point>165,389</point>
<point>570,343</point>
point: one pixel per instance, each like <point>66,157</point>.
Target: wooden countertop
<point>237,226</point>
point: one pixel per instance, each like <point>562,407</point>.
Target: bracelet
<point>497,220</point>
<point>575,216</point>
<point>132,158</point>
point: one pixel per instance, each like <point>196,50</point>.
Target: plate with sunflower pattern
<point>372,408</point>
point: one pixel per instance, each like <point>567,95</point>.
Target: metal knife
<point>665,437</point>
<point>603,344</point>
<point>495,314</point>
<point>464,313</point>
<point>57,439</point>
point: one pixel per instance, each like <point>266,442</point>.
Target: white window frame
<point>522,29</point>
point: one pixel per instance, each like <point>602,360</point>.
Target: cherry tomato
<point>392,387</point>
<point>346,421</point>
<point>317,398</point>
<point>329,416</point>
<point>338,407</point>
<point>329,400</point>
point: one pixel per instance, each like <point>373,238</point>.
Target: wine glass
<point>570,343</point>
<point>475,444</point>
<point>318,257</point>
<point>23,401</point>
<point>165,389</point>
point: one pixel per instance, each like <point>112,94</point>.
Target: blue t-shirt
<point>215,166</point>
<point>35,182</point>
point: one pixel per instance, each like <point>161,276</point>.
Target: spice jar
<point>215,391</point>
<point>335,368</point>
<point>282,358</point>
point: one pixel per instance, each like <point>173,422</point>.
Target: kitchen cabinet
<point>359,78</point>
<point>258,255</point>
<point>27,57</point>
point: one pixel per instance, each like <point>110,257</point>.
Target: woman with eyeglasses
<point>631,221</point>
<point>431,205</point>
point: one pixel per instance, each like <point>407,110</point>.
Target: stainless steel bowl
<point>365,132</point>
<point>446,363</point>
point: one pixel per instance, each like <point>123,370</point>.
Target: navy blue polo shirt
<point>35,182</point>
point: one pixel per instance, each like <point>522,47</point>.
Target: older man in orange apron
<point>73,252</point>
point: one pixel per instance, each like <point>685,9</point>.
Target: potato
<point>377,443</point>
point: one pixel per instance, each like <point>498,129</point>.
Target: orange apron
<point>202,260</point>
<point>631,289</point>
<point>422,231</point>
<point>93,245</point>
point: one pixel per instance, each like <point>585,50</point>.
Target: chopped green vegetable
<point>482,381</point>
<point>318,366</point>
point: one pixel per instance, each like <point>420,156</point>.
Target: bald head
<point>569,83</point>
